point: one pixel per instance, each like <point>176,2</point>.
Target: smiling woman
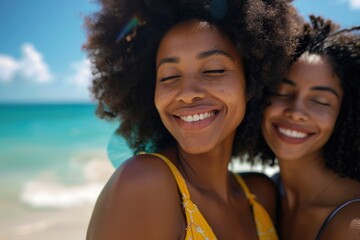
<point>185,79</point>
<point>303,111</point>
<point>200,88</point>
<point>312,127</point>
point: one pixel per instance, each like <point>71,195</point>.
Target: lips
<point>292,133</point>
<point>197,117</point>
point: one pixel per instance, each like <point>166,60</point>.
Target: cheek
<point>325,117</point>
<point>159,99</point>
<point>268,111</point>
<point>236,100</point>
<point>329,124</point>
<point>265,120</point>
<point>326,121</point>
<point>235,92</point>
<point>236,106</point>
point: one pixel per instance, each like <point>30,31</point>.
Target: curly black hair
<point>123,37</point>
<point>341,50</point>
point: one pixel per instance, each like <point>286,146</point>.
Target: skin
<point>297,124</point>
<point>200,74</point>
<point>198,71</point>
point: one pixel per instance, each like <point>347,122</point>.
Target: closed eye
<point>283,95</point>
<point>215,71</point>
<point>169,78</point>
<point>321,103</point>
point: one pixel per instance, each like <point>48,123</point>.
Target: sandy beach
<point>48,210</point>
<point>34,224</point>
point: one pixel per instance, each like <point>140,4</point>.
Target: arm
<point>140,201</point>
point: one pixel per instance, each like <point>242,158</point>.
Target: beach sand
<point>56,224</point>
<point>50,210</point>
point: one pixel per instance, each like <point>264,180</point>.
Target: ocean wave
<point>53,192</point>
<point>55,195</point>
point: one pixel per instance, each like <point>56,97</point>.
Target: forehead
<point>193,36</point>
<point>313,69</point>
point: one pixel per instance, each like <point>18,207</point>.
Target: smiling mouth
<point>197,117</point>
<point>292,133</point>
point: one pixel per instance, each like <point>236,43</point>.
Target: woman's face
<point>303,110</point>
<point>200,86</point>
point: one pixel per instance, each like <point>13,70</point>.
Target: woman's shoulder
<point>343,222</point>
<point>142,168</point>
<point>139,173</point>
<point>141,194</point>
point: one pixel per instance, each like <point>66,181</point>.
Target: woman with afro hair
<point>312,128</point>
<point>184,79</point>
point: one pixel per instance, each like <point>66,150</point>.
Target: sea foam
<point>55,193</point>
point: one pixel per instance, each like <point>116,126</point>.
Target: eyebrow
<point>321,88</point>
<point>201,55</point>
<point>168,60</point>
<point>213,52</point>
<point>316,88</point>
<point>288,81</point>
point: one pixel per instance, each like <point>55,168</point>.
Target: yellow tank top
<point>197,227</point>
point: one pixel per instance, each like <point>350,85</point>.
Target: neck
<point>207,172</point>
<point>305,180</point>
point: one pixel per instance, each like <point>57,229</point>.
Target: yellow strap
<point>251,197</point>
<point>197,225</point>
<point>197,228</point>
<point>264,225</point>
<point>179,179</point>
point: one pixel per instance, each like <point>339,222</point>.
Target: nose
<point>191,90</point>
<point>296,111</point>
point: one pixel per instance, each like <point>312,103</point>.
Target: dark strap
<point>332,215</point>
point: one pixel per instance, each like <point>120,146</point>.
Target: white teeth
<point>197,117</point>
<point>292,133</point>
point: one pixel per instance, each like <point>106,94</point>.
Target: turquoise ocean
<point>52,157</point>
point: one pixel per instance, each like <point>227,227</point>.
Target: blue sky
<point>40,46</point>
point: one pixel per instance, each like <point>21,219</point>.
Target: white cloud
<point>33,65</point>
<point>82,73</point>
<point>355,4</point>
<point>30,66</point>
<point>8,68</point>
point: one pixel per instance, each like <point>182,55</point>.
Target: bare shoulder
<point>140,201</point>
<point>264,189</point>
<point>345,224</point>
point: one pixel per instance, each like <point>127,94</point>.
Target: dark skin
<point>297,124</point>
<point>303,219</point>
<point>141,200</point>
<point>147,178</point>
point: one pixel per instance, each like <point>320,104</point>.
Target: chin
<point>195,148</point>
